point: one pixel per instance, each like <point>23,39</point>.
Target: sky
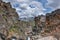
<point>31,8</point>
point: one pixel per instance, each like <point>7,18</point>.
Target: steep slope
<point>8,17</point>
<point>51,24</point>
<point>9,23</point>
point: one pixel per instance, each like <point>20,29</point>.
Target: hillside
<point>43,25</point>
<point>9,23</point>
<point>49,25</point>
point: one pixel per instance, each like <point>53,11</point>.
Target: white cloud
<point>24,10</point>
<point>31,11</point>
<point>37,4</point>
<point>26,1</point>
<point>54,4</point>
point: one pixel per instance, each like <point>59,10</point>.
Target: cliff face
<point>9,23</point>
<point>51,24</point>
<point>53,19</point>
<point>7,13</point>
<point>44,25</point>
<point>8,17</point>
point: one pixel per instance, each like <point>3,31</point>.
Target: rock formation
<point>10,25</point>
<point>8,17</point>
<point>51,24</point>
<point>48,25</point>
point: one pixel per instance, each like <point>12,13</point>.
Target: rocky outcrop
<point>10,25</point>
<point>8,17</point>
<point>48,25</point>
<point>51,24</point>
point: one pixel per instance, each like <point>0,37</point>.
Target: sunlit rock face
<point>53,19</point>
<point>51,24</point>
